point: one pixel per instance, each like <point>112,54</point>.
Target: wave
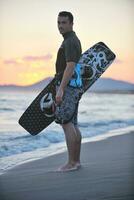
<point>7,109</point>
<point>12,143</point>
<point>106,123</point>
<point>17,147</point>
<point>3,100</point>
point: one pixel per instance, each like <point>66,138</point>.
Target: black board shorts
<point>67,111</point>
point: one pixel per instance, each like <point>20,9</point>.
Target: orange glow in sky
<point>29,38</point>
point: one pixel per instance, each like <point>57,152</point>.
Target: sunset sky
<point>29,38</point>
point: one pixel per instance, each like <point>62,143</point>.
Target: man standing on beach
<point>67,94</point>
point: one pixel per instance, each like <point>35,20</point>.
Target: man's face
<point>64,25</point>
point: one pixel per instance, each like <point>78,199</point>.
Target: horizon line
<point>10,84</point>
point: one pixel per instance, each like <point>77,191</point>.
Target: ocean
<point>100,115</point>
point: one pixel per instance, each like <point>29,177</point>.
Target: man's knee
<point>66,126</point>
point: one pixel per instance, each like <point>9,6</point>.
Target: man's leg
<point>78,146</point>
<point>71,130</point>
<point>73,141</point>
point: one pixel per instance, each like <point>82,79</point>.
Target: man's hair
<point>66,14</point>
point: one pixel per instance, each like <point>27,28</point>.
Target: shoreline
<point>106,173</point>
<point>58,148</point>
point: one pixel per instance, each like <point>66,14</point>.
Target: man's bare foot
<point>69,167</point>
<point>78,164</point>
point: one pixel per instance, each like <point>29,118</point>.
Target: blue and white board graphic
<point>91,65</point>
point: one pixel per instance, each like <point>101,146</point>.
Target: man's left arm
<point>66,77</point>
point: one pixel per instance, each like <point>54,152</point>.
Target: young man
<point>67,95</point>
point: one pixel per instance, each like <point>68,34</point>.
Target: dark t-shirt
<point>70,50</point>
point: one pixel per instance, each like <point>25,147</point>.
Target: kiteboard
<point>92,64</point>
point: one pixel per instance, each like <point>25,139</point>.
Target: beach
<point>106,173</point>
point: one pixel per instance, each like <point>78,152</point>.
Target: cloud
<point>38,58</point>
<point>28,58</point>
<point>10,62</point>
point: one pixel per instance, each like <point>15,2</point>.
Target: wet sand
<point>107,173</point>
